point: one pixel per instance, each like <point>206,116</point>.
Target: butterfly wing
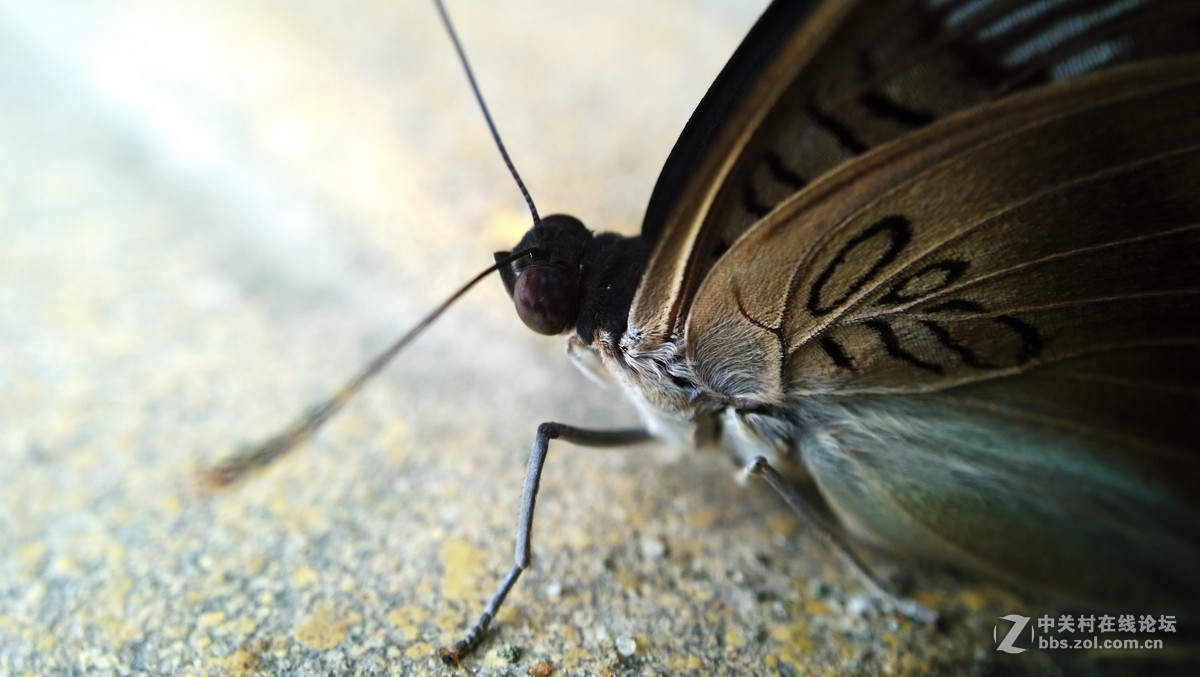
<point>809,90</point>
<point>987,334</point>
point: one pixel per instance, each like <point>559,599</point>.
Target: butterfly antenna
<point>263,454</point>
<point>462,57</point>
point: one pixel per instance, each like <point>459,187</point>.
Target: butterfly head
<point>545,285</point>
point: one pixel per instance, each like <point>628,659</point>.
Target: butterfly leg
<point>907,607</point>
<point>523,556</point>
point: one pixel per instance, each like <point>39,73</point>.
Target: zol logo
<point>1018,626</point>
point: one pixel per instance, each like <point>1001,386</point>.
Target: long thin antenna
<point>462,56</point>
<point>234,468</point>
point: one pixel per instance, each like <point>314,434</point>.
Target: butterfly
<point>939,258</point>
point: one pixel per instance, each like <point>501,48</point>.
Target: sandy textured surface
<point>210,215</point>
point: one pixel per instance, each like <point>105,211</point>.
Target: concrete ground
<point>213,213</point>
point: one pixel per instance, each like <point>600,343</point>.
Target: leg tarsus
<point>455,652</point>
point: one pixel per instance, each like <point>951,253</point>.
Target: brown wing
<point>963,252</point>
<point>989,333</point>
<point>852,76</point>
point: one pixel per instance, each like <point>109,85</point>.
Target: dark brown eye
<point>547,298</point>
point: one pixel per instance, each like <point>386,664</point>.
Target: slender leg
<point>834,542</point>
<point>523,556</point>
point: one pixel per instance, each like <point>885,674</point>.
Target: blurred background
<point>212,213</point>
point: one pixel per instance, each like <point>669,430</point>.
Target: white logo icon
<point>1018,625</point>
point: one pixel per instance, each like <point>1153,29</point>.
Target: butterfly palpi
<point>943,259</point>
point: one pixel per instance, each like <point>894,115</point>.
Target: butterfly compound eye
<point>546,287</point>
<point>547,298</point>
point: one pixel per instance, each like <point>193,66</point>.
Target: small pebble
<point>511,653</point>
<point>858,605</point>
<point>626,646</point>
<point>554,589</point>
<point>653,548</point>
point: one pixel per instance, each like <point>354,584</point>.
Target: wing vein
<point>989,219</point>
